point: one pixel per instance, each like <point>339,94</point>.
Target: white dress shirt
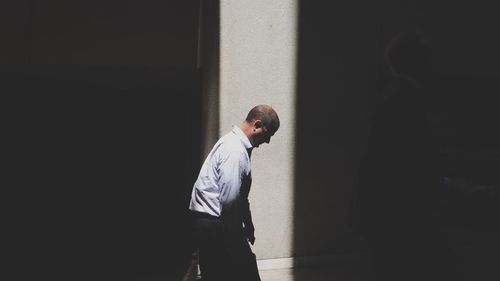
<point>226,168</point>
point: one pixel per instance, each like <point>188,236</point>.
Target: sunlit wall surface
<point>258,66</point>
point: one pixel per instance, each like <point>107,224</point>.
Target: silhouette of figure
<point>398,179</point>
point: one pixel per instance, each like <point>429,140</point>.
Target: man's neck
<point>246,128</point>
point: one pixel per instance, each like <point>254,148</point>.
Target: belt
<point>197,214</point>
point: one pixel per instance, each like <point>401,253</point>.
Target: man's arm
<point>235,187</point>
<point>246,215</point>
<point>230,179</point>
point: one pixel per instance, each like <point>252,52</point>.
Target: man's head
<point>261,124</point>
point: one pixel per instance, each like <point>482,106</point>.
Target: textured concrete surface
<point>257,66</point>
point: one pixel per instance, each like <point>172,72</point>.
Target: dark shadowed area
<point>103,112</point>
<point>443,225</point>
<point>107,157</point>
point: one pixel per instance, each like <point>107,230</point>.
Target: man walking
<point>219,201</point>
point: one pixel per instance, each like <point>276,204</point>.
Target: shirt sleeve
<point>230,178</point>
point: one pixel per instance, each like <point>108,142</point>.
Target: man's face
<point>261,135</point>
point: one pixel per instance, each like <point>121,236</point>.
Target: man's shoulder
<point>230,139</point>
<point>230,144</point>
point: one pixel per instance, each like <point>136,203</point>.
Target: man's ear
<point>258,124</point>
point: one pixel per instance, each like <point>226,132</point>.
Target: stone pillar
<point>258,66</point>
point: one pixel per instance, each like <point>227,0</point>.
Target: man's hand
<point>251,239</point>
<point>249,233</point>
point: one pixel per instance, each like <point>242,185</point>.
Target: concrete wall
<point>338,67</point>
<point>154,33</point>
<point>462,34</point>
<point>318,65</point>
<point>321,65</point>
<point>341,72</point>
<point>462,37</point>
<point>209,62</point>
<point>15,30</point>
<point>258,66</point>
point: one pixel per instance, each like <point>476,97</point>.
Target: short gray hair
<point>266,114</point>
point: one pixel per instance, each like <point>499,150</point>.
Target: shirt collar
<point>244,139</point>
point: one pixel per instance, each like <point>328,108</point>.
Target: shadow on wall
<point>469,209</point>
<point>107,156</point>
<point>336,85</point>
<point>340,74</point>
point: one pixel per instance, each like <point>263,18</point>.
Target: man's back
<point>218,184</point>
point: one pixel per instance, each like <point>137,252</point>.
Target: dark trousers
<point>224,252</point>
